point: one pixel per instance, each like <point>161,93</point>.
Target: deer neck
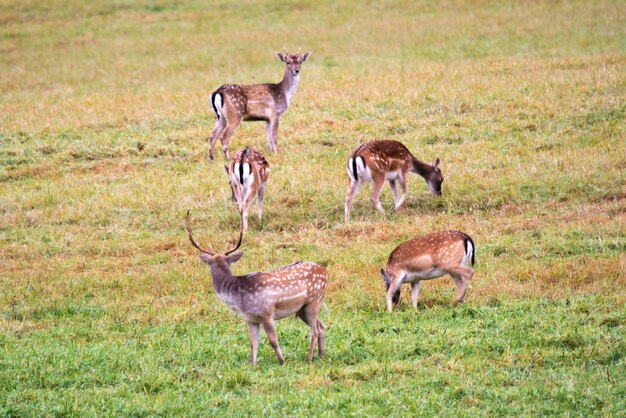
<point>421,168</point>
<point>289,84</point>
<point>223,280</point>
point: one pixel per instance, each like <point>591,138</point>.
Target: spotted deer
<point>247,173</point>
<point>377,161</point>
<point>233,103</point>
<point>262,298</point>
<point>428,257</point>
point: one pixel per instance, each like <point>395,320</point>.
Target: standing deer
<point>233,103</point>
<point>428,257</point>
<point>248,173</point>
<point>262,298</point>
<point>377,161</point>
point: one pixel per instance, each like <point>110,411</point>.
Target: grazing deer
<point>262,298</point>
<point>248,173</point>
<point>378,161</point>
<point>428,257</point>
<point>233,103</point>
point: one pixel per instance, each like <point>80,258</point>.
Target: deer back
<point>378,158</point>
<point>438,251</point>
<point>278,293</point>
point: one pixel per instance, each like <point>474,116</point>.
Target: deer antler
<point>240,234</point>
<point>299,51</point>
<point>188,228</point>
<point>285,48</point>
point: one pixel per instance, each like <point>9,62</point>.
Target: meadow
<point>106,309</point>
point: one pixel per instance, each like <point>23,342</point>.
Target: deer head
<point>434,179</point>
<point>294,62</point>
<point>211,257</point>
<point>387,282</point>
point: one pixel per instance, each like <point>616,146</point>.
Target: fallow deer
<point>262,298</point>
<point>233,103</point>
<point>428,257</point>
<point>248,173</point>
<point>378,161</point>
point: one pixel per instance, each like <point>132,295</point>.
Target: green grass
<point>105,308</point>
<point>521,357</point>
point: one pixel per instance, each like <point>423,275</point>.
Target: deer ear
<point>280,57</point>
<point>233,258</point>
<point>437,162</point>
<point>206,258</point>
<point>306,56</point>
<point>384,274</point>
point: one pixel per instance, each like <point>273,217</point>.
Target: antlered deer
<point>428,257</point>
<point>233,103</point>
<point>262,298</point>
<point>378,161</point>
<point>248,173</point>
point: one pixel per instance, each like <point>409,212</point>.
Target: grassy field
<point>105,308</point>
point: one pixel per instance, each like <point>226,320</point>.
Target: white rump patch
<point>362,169</point>
<point>350,174</point>
<point>244,179</point>
<point>467,258</point>
<point>246,170</point>
<point>363,173</point>
<point>217,104</point>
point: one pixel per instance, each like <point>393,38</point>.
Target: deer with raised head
<point>377,161</point>
<point>428,257</point>
<point>262,298</point>
<point>233,103</point>
<point>247,173</point>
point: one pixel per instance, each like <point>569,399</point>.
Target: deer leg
<point>461,277</point>
<point>244,219</point>
<point>272,134</point>
<point>353,189</point>
<point>393,288</point>
<point>268,133</point>
<point>270,331</point>
<point>232,193</point>
<point>237,194</point>
<point>245,205</point>
<point>254,340</point>
<point>275,135</point>
<point>415,293</point>
<point>228,133</point>
<point>394,190</point>
<point>321,346</point>
<point>217,131</point>
<point>261,193</point>
<point>319,327</point>
<point>377,187</point>
<point>402,181</point>
<point>308,314</point>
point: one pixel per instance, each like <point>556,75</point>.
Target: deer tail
<point>356,167</point>
<point>217,101</point>
<point>470,250</point>
<point>242,168</point>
